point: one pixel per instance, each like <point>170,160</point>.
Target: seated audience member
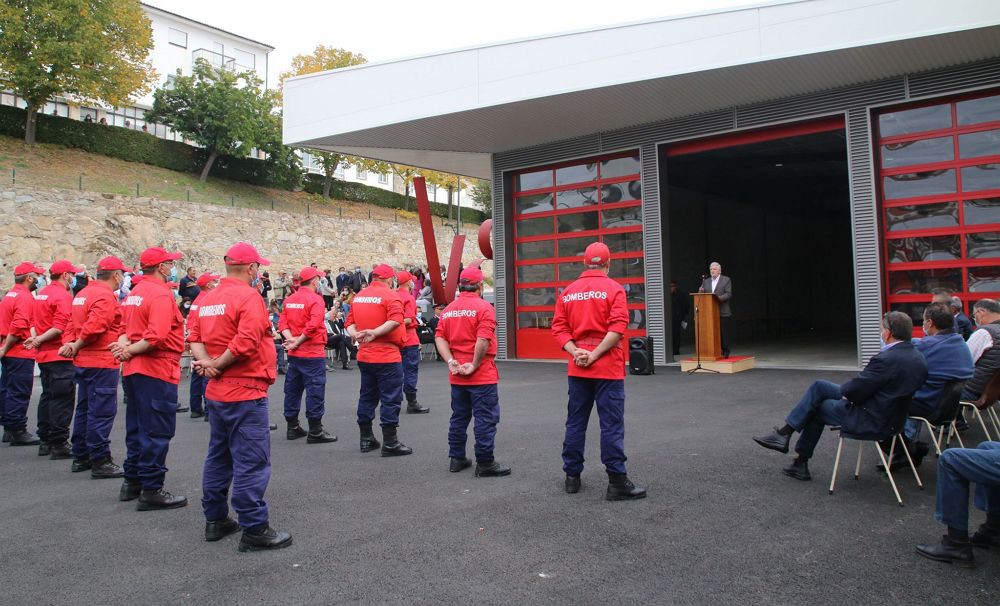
<point>963,326</point>
<point>984,345</point>
<point>338,340</point>
<point>864,405</point>
<point>957,467</point>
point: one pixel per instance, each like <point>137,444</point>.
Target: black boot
<point>60,451</point>
<point>414,407</point>
<point>217,530</point>
<point>572,484</point>
<point>393,447</point>
<point>295,430</point>
<point>23,437</point>
<point>457,464</point>
<point>197,414</point>
<point>181,408</point>
<point>80,464</point>
<point>130,491</point>
<point>950,551</point>
<point>491,470</point>
<point>368,441</point>
<point>317,435</point>
<point>44,450</point>
<point>159,499</point>
<point>774,441</point>
<point>988,534</point>
<point>105,469</point>
<point>799,469</point>
<point>269,538</point>
<point>620,488</point>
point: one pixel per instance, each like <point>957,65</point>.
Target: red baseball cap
<point>471,275</point>
<point>242,253</point>
<point>28,268</point>
<point>152,257</point>
<point>137,278</point>
<point>308,273</point>
<point>403,277</point>
<point>205,278</point>
<point>111,264</point>
<point>597,253</point>
<point>63,266</point>
<point>383,271</point>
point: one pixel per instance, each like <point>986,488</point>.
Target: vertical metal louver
<point>500,261</point>
<point>652,238</point>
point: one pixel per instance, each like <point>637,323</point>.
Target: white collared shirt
<point>715,282</point>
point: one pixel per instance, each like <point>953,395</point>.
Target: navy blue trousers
<point>411,368</point>
<point>16,381</point>
<point>820,406</point>
<point>239,455</point>
<point>609,394</point>
<point>96,407</point>
<point>308,375</point>
<point>956,468</point>
<point>150,422</point>
<point>474,401</point>
<point>55,405</point>
<point>198,384</point>
<point>380,383</point>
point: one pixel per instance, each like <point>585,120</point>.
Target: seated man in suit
<point>337,338</point>
<point>864,405</point>
<point>722,287</point>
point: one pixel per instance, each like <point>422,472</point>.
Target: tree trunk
<point>406,196</point>
<point>31,124</point>
<point>208,166</point>
<point>327,182</point>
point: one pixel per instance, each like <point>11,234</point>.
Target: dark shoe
<point>294,432</point>
<point>23,437</point>
<point>986,537</point>
<point>159,499</point>
<point>269,539</point>
<point>347,367</point>
<point>44,450</point>
<point>949,551</point>
<point>572,484</point>
<point>774,441</point>
<point>6,436</point>
<point>797,470</point>
<point>725,353</point>
<point>181,409</point>
<point>493,470</point>
<point>620,488</point>
<point>281,371</point>
<point>272,426</point>
<point>197,414</point>
<point>457,464</point>
<point>317,435</point>
<point>60,452</point>
<point>130,490</point>
<point>80,465</point>
<point>413,407</point>
<point>898,462</point>
<point>368,441</point>
<point>205,419</point>
<point>105,469</point>
<point>220,529</point>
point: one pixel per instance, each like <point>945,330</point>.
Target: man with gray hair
<point>722,287</point>
<point>963,325</point>
<point>864,405</point>
<point>984,345</point>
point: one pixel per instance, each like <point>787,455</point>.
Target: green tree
<point>321,59</point>
<point>90,50</point>
<point>225,112</point>
<point>482,194</point>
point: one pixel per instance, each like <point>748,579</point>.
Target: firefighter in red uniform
<point>231,343</point>
<point>301,325</point>
<point>206,282</point>
<point>375,321</point>
<point>151,349</point>
<point>466,338</point>
<point>410,351</point>
<point>18,363</point>
<point>590,320</point>
<point>95,324</point>
<point>55,406</point>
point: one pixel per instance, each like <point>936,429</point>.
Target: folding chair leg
<point>982,423</point>
<point>992,411</point>
<point>935,439</point>
<point>888,472</point>
<point>836,464</point>
<point>912,466</point>
<point>857,468</point>
<point>958,436</point>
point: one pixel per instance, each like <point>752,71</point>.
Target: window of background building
<point>177,37</point>
<point>362,174</point>
<point>244,59</point>
<point>339,172</point>
<point>383,178</point>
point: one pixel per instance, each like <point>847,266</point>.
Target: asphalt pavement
<point>721,524</point>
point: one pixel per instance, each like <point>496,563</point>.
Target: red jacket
<point>467,319</point>
<point>52,310</point>
<point>586,311</point>
<point>409,311</point>
<point>371,308</point>
<point>96,319</point>
<point>233,316</point>
<point>150,313</point>
<point>303,315</point>
<point>16,311</point>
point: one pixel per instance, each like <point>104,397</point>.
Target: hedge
<point>359,192</point>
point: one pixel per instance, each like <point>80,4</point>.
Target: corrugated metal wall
<point>854,102</point>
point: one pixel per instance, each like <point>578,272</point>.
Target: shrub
<point>359,192</point>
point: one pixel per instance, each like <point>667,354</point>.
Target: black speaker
<point>640,356</point>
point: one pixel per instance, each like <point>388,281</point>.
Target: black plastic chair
<point>945,414</point>
<point>895,435</point>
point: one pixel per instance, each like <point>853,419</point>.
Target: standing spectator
<point>371,274</point>
<point>274,314</point>
<point>82,279</point>
<point>265,285</point>
<point>326,289</point>
<point>343,279</point>
<point>418,280</point>
<point>281,286</point>
<point>358,280</point>
<point>188,288</point>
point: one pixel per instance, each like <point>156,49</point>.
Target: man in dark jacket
<point>963,326</point>
<point>984,344</point>
<point>864,405</point>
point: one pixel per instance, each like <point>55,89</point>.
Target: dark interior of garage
<point>776,215</point>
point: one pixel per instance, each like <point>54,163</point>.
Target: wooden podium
<point>706,326</point>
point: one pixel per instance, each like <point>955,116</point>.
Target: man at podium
<point>722,287</point>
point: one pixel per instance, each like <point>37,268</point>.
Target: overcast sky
<point>390,29</point>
